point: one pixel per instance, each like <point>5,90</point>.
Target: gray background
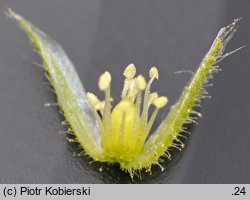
<point>103,35</point>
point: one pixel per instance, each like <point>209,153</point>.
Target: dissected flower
<point>121,134</point>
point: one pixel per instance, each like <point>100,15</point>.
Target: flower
<point>125,129</point>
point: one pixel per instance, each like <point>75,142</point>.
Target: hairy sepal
<point>166,136</point>
<point>69,90</point>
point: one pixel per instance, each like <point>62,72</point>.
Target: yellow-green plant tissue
<point>120,134</point>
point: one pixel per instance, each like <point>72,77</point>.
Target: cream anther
<point>104,81</point>
<point>130,71</point>
<point>153,73</point>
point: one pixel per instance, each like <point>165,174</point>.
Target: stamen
<point>159,103</point>
<point>153,73</point>
<point>94,102</point>
<point>104,85</point>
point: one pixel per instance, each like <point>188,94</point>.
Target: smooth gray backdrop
<point>103,35</point>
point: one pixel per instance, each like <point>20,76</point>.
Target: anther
<point>153,73</point>
<point>93,100</point>
<point>130,71</point>
<point>141,82</point>
<point>160,102</point>
<point>104,81</point>
<point>152,97</point>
